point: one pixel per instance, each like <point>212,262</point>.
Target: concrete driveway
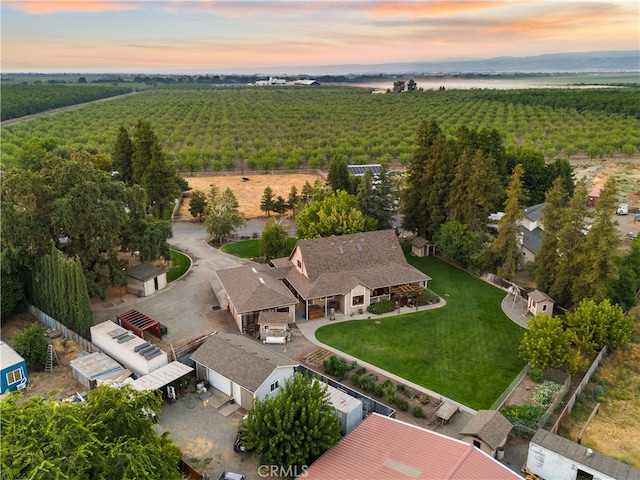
<point>185,306</point>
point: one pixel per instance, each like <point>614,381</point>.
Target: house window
<point>357,300</point>
<point>275,385</point>
<point>544,308</point>
<point>476,444</point>
<point>14,377</point>
<point>283,309</point>
<point>299,263</point>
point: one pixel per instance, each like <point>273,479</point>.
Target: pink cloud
<point>430,8</point>
<point>54,6</point>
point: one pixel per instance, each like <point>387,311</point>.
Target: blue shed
<point>13,369</point>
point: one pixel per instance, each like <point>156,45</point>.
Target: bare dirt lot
<point>249,192</point>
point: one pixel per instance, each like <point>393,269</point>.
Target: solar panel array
<point>359,170</point>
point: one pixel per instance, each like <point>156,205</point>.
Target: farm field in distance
<point>215,129</point>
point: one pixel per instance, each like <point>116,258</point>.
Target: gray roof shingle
<point>255,288</point>
<point>144,271</point>
<point>240,359</point>
<point>334,265</point>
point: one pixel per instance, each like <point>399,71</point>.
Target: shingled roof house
<point>241,368</point>
<point>347,273</point>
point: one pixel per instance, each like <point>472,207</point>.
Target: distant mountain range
<point>605,61</point>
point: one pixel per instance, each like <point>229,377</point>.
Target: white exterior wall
<point>124,353</point>
<point>296,257</point>
<point>355,291</point>
<point>279,374</point>
<point>553,466</point>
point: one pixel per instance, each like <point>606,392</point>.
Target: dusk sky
<point>169,36</point>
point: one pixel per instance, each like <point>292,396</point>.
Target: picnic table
<point>445,411</point>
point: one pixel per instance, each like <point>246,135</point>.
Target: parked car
<point>231,476</point>
<point>623,209</point>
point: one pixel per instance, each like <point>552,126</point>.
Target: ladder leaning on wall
<point>52,357</point>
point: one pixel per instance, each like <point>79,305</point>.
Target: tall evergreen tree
<point>417,205</point>
<point>274,240</point>
<point>159,182</point>
<point>596,266</point>
<point>198,204</point>
<point>293,200</point>
<point>268,201</point>
<point>571,241</point>
<point>122,156</point>
<point>547,261</point>
<point>144,140</point>
<point>339,176</point>
<point>506,246</point>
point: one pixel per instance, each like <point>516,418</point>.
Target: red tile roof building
<point>382,448</point>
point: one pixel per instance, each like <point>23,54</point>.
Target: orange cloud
<point>547,23</point>
<point>424,9</point>
<point>53,6</point>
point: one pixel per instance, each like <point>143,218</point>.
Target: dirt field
<point>615,430</point>
<point>249,192</point>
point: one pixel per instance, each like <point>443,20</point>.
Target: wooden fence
<point>572,400</point>
<point>509,390</point>
<point>52,323</point>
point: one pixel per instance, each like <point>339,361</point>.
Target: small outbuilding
<point>136,354</point>
<point>348,409</point>
<point>13,369</point>
<point>145,279</point>
<point>594,195</point>
<point>540,302</point>
<point>241,368</point>
<point>274,325</point>
<point>487,430</point>
<point>553,456</point>
<point>421,247</point>
<point>88,369</point>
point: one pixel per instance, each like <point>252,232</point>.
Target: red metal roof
<point>385,448</point>
<point>138,322</point>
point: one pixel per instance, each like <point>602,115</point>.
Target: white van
<point>623,209</point>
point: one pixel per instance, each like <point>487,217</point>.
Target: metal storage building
<point>88,369</point>
<point>348,409</point>
<point>136,354</point>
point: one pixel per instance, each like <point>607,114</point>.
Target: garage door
<point>218,381</point>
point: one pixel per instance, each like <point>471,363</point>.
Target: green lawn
<point>251,248</point>
<point>180,263</point>
<point>467,350</point>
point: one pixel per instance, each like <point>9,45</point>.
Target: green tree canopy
<point>506,246</point>
<point>223,215</point>
<point>274,240</point>
<point>267,202</point>
<point>546,343</point>
<point>32,344</point>
<point>594,325</point>
<point>198,204</point>
<point>110,436</point>
<point>338,214</point>
<point>339,176</point>
<point>595,262</point>
<point>295,427</point>
<point>458,242</point>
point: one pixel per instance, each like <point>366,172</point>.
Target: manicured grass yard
<point>179,265</point>
<point>251,248</point>
<point>467,350</point>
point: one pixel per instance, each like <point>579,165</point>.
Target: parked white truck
<point>623,209</point>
